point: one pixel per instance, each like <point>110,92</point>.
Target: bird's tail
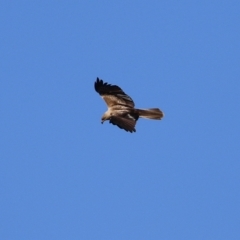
<point>151,113</point>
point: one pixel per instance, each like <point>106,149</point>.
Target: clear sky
<point>64,175</point>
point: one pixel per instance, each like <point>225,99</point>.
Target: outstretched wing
<point>112,94</point>
<point>126,122</point>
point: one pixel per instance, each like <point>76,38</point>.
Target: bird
<point>121,111</point>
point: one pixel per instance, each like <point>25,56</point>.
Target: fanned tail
<point>151,113</point>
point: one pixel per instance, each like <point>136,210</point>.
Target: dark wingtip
<point>131,131</point>
<point>98,84</point>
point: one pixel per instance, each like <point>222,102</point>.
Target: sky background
<point>64,175</point>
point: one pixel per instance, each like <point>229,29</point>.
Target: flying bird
<point>121,111</point>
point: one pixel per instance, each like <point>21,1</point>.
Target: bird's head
<point>105,117</point>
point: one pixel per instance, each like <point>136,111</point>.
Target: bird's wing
<point>126,122</point>
<point>112,94</point>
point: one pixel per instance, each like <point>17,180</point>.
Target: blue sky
<point>64,175</point>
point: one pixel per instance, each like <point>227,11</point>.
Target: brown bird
<point>121,111</point>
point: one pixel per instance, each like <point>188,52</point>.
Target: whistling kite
<point>121,111</point>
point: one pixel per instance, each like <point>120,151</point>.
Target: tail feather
<point>151,113</point>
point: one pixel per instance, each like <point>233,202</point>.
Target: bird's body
<point>121,111</point>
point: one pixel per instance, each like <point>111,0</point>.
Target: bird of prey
<point>121,111</point>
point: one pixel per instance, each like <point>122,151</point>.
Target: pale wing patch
<point>130,116</point>
<point>112,100</point>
